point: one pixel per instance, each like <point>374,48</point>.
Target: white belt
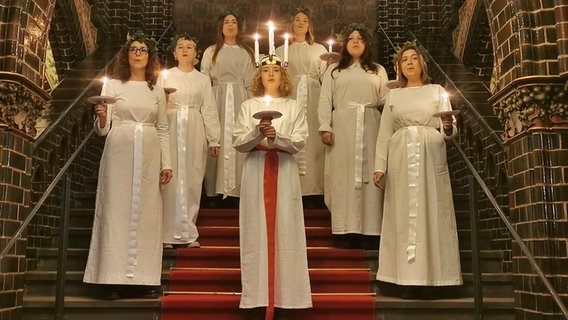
<point>181,217</point>
<point>136,197</point>
<point>302,100</point>
<point>229,175</point>
<point>413,163</point>
<point>361,172</point>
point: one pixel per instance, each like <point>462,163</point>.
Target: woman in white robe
<point>230,66</point>
<point>194,133</point>
<point>419,244</point>
<point>274,266</point>
<point>306,69</point>
<point>352,94</point>
<point>126,245</point>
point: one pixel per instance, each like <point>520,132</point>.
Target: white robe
<point>419,243</point>
<point>194,128</point>
<point>231,76</point>
<point>126,245</point>
<point>349,107</point>
<point>306,69</point>
<point>292,283</point>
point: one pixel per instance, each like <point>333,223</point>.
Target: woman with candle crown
<point>274,267</point>
<point>194,130</point>
<point>352,95</point>
<point>125,253</point>
<point>230,65</point>
<point>419,245</point>
<point>306,69</point>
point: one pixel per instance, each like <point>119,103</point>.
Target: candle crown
<point>271,60</point>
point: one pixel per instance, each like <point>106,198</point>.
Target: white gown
<point>292,285</point>
<point>419,244</point>
<point>349,107</point>
<point>306,69</point>
<point>231,76</point>
<point>194,128</point>
<point>126,245</point>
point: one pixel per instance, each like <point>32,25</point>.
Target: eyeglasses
<point>143,50</point>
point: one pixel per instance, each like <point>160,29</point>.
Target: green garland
<point>142,38</point>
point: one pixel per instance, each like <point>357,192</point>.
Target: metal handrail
<point>44,196</point>
<point>512,229</point>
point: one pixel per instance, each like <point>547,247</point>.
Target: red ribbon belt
<point>270,201</point>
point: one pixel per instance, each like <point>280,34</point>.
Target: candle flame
<point>445,95</point>
<point>165,73</point>
<point>286,36</point>
<point>105,80</point>
<point>330,42</point>
<point>267,99</point>
<point>256,36</point>
<point>270,25</point>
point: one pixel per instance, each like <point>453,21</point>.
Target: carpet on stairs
<point>205,284</point>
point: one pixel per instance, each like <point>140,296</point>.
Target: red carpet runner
<point>206,281</point>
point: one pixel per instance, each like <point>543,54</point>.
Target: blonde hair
<point>285,87</point>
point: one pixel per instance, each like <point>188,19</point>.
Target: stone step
<point>387,308</point>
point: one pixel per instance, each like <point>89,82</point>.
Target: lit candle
<point>256,50</point>
<point>286,48</point>
<point>103,90</point>
<point>270,38</point>
<point>267,100</point>
<point>330,43</point>
<point>164,77</point>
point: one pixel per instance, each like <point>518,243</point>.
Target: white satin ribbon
<point>136,196</point>
<point>302,100</point>
<point>360,146</point>
<point>181,218</point>
<point>413,163</point>
<point>229,166</point>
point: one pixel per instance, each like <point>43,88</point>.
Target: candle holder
<point>169,90</point>
<point>101,100</point>
<point>334,55</point>
<point>272,114</point>
<point>445,113</point>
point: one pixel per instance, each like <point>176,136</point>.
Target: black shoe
<point>108,292</point>
<point>411,292</point>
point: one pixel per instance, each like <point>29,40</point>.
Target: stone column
<point>15,190</point>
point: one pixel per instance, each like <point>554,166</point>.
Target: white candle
<point>330,48</point>
<point>256,49</point>
<point>267,100</point>
<point>164,77</point>
<point>103,90</point>
<point>286,48</point>
<point>270,38</point>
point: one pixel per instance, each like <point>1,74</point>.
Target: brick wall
<point>15,190</point>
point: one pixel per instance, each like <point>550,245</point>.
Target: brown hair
<point>402,79</point>
<point>310,35</point>
<point>366,59</point>
<point>221,38</point>
<point>122,67</point>
<point>285,83</point>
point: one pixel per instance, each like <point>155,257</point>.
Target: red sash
<point>270,197</point>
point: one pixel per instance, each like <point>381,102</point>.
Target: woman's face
<point>138,55</point>
<point>230,26</point>
<point>271,76</point>
<point>301,24</point>
<point>355,44</point>
<point>185,51</point>
<point>410,64</point>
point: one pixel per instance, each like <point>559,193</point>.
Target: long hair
<point>366,59</point>
<point>221,38</point>
<point>285,83</point>
<point>402,79</point>
<point>122,67</point>
<point>310,35</point>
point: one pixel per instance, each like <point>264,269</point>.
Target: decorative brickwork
<point>15,190</point>
<point>538,163</point>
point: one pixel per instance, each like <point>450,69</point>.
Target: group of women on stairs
<point>338,131</point>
